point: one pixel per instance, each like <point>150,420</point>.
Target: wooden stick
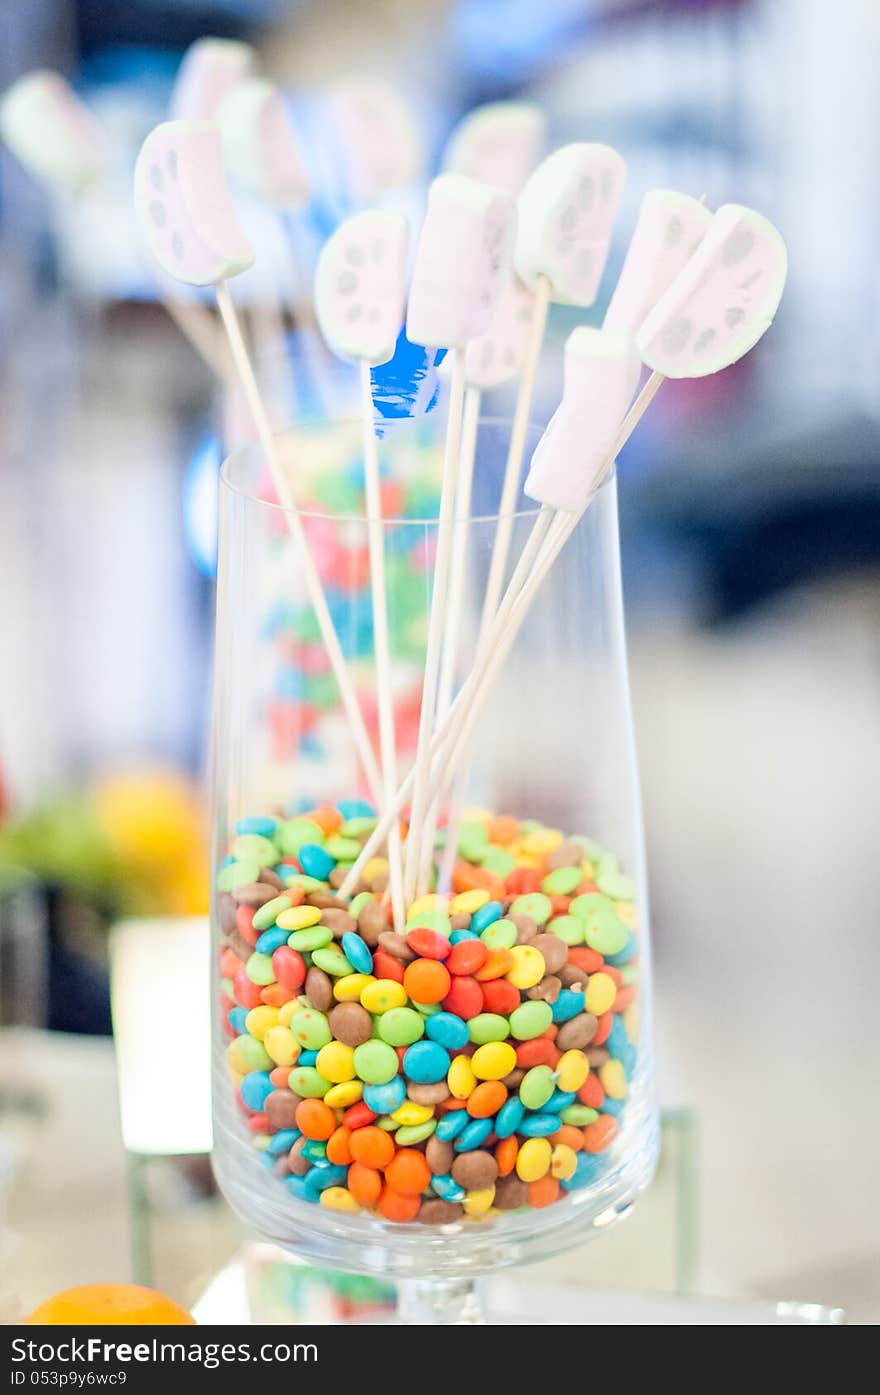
<point>245,370</point>
<point>384,687</point>
<point>436,623</point>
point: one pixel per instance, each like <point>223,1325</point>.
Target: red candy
<point>289,967</point>
<point>428,944</point>
<point>358,1116</point>
<point>465,997</point>
<point>606,1022</point>
<point>522,880</point>
<point>537,1052</point>
<point>500,996</point>
<point>244,921</point>
<point>386,966</point>
<point>467,957</point>
<point>247,994</point>
<point>591,1092</point>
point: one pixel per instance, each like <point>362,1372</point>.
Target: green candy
<point>588,903</point>
<point>579,1115</point>
<point>426,1009</point>
<point>489,1026</point>
<point>569,928</point>
<point>386,1122</point>
<point>254,846</point>
<point>266,916</point>
<point>253,1053</point>
<point>431,920</point>
<point>534,904</point>
<point>616,885</point>
<point>530,826</point>
<point>294,832</point>
<point>321,690</point>
<point>561,881</point>
<point>342,849</point>
<point>530,1020</point>
<point>472,831</point>
<point>360,827</point>
<point>498,861</point>
<point>629,974</point>
<point>375,1062</point>
<point>308,1083</point>
<point>332,961</point>
<point>501,934</point>
<point>238,874</point>
<point>363,898</point>
<point>605,932</point>
<point>536,1087</point>
<point>593,852</point>
<point>306,884</point>
<point>312,938</point>
<point>311,1029</point>
<point>259,969</point>
<point>415,1133</point>
<point>401,1026</point>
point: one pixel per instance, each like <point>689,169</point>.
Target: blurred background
<point>750,508</point>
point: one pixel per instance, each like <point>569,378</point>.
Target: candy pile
<point>477,1064</point>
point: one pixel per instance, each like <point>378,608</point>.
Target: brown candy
<point>350,1023</point>
<point>270,878</point>
<point>475,1170</point>
<point>515,1078</point>
<point>577,1032</point>
<point>571,976</point>
<point>255,894</point>
<point>510,1193</point>
<point>281,1166</point>
<point>596,1055</point>
<point>319,989</point>
<point>427,1094</point>
<point>553,951</point>
<point>340,922</point>
<point>547,991</point>
<point>379,882</point>
<point>396,946</point>
<point>339,875</point>
<point>437,1212</point>
<point>372,922</point>
<point>280,1110</point>
<point>297,1164</point>
<point>326,901</point>
<point>565,855</point>
<point>239,945</point>
<point>226,912</point>
<point>460,920</point>
<point>526,928</point>
<point>439,1156</point>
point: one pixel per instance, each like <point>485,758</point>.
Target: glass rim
<point>328,515</point>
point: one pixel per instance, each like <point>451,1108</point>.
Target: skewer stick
<point>245,370</point>
<point>437,618</point>
<point>384,688</point>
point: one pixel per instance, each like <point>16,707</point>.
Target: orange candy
<point>371,1146</point>
<point>408,1172</point>
<point>280,1076</point>
<point>585,958</point>
<point>276,994</point>
<point>426,980</point>
<point>364,1183</point>
<point>327,818</point>
<point>522,880</point>
<point>505,1154</point>
<point>468,878</point>
<point>395,1206</point>
<point>503,829</point>
<point>315,1119</point>
<point>499,963</point>
<point>229,963</point>
<point>543,1192</point>
<point>339,1146</point>
<point>486,1099</point>
<point>592,1093</point>
<point>624,997</point>
<point>571,1136</point>
<point>600,1135</point>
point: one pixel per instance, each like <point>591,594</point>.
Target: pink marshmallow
<point>52,132</point>
<point>500,142</point>
<point>381,145</point>
<point>497,355</point>
<point>260,145</point>
<point>360,286</point>
<point>209,70</point>
<point>565,216</point>
<point>670,228</point>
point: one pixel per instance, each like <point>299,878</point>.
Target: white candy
<point>670,228</point>
<point>500,142</point>
<point>360,286</point>
<point>565,215</point>
<point>52,132</point>
<point>601,373</point>
<point>260,146</point>
<point>462,258</point>
<point>381,146</point>
<point>209,70</point>
<point>182,202</point>
<point>718,307</point>
<point>496,356</point>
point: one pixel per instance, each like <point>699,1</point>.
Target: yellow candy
<point>411,1113</point>
<point>468,901</point>
<point>340,1199</point>
<point>298,918</point>
<point>613,1079</point>
<point>261,1141</point>
<point>234,1076</point>
<point>527,859</point>
<point>533,1159</point>
<point>282,1046</point>
<point>350,988</point>
<point>478,1203</point>
<point>426,903</point>
<point>336,1062</point>
<point>285,1013</point>
<point>374,868</point>
<point>344,1095</point>
<point>626,911</point>
<point>528,966</point>
<point>492,1061</point>
<point>572,1069</point>
<point>259,1020</point>
<point>563,1162</point>
<point>601,992</point>
<point>460,1078</point>
<point>477,815</point>
<point>382,994</point>
<point>542,841</point>
<point>632,1021</point>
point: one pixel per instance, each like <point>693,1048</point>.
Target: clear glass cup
<point>553,748</point>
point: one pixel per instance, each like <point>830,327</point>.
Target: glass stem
<point>438,1302</point>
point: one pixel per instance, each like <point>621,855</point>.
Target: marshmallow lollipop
<point>381,145</point>
<point>500,142</point>
<point>52,132</point>
<point>260,146</point>
<point>725,298</point>
<point>670,228</point>
<point>209,70</point>
<point>183,204</point>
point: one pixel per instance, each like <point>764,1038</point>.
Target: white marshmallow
<point>600,377</point>
<point>670,228</point>
<point>52,132</point>
<point>260,146</point>
<point>381,144</point>
<point>209,70</point>
<point>496,356</point>
<point>461,262</point>
<point>183,205</point>
<point>360,286</point>
<point>500,142</point>
<point>723,300</point>
<point>565,216</point>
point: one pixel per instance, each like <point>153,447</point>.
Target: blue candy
<point>238,1020</point>
<point>271,940</point>
<point>446,1187</point>
<point>447,1029</point>
<point>539,1126</point>
<point>257,823</point>
<point>559,1100</point>
<point>476,1132</point>
<point>384,1099</point>
<point>450,1125</point>
<point>588,1168</point>
<point>320,1178</point>
<point>356,809</point>
<point>426,1062</point>
<point>486,916</point>
<point>623,956</point>
<point>227,861</point>
<point>610,1106</point>
<point>315,862</point>
<point>567,1005</point>
<point>297,1185</point>
<point>282,1142</point>
<point>458,935</point>
<point>256,1089</point>
<point>307,1058</point>
<point>509,1116</point>
<point>356,952</point>
<point>314,1152</point>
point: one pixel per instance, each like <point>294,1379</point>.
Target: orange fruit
<point>101,1305</point>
